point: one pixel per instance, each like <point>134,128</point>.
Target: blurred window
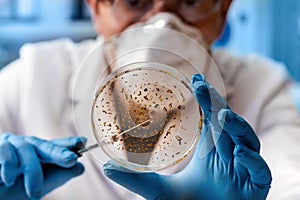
<point>18,9</point>
<point>23,21</point>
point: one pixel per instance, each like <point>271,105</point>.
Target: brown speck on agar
<point>160,98</point>
<point>165,109</point>
<point>179,139</point>
<point>169,91</point>
<point>180,107</point>
<point>104,111</point>
<point>115,138</point>
<point>169,131</point>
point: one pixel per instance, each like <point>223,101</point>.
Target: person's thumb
<point>147,185</point>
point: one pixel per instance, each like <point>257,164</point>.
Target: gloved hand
<point>226,163</point>
<point>23,155</point>
<point>53,177</point>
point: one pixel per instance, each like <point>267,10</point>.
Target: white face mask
<point>164,39</point>
<point>172,22</point>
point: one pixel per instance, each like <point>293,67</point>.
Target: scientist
<point>36,113</point>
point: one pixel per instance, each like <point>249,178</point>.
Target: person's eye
<point>191,3</point>
<point>138,4</point>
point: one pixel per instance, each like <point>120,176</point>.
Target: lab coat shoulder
<point>9,97</point>
<point>59,56</point>
<point>251,82</point>
<point>39,82</point>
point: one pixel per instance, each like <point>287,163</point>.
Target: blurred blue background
<point>24,21</point>
<point>267,27</point>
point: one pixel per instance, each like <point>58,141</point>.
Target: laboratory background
<point>265,27</point>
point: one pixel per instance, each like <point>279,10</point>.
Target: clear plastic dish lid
<point>145,116</point>
<point>134,99</point>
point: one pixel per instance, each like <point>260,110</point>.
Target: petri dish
<point>146,118</point>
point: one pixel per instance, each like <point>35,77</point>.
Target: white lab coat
<point>36,96</point>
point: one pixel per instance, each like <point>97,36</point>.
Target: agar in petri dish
<point>145,117</point>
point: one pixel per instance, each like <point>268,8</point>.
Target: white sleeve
<point>280,145</point>
<point>9,97</point>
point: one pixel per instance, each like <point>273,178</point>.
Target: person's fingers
<point>147,185</point>
<point>55,176</point>
<point>30,165</point>
<point>206,143</point>
<point>224,146</point>
<point>211,102</point>
<point>15,191</point>
<point>9,163</point>
<point>71,142</point>
<point>238,129</point>
<point>260,174</point>
<point>52,153</point>
<point>208,98</point>
<point>212,138</point>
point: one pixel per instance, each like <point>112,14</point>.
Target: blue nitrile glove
<point>53,177</point>
<point>23,155</point>
<point>230,169</point>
